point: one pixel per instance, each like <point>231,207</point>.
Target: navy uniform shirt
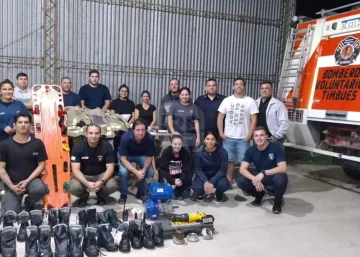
<point>71,99</point>
<point>209,110</point>
<point>266,159</point>
<point>94,97</point>
<point>129,147</point>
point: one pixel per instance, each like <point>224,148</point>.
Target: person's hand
<point>223,137</point>
<point>23,184</point>
<point>197,142</point>
<point>259,187</point>
<point>8,130</point>
<point>91,186</point>
<point>140,174</point>
<point>18,190</point>
<point>98,185</point>
<point>247,139</point>
<point>208,188</point>
<point>273,139</point>
<point>178,182</point>
<point>258,178</point>
<point>175,133</point>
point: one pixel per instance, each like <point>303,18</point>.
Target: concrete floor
<point>318,219</point>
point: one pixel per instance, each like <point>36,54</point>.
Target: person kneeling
<point>175,167</point>
<point>22,160</point>
<point>92,163</point>
<point>271,168</point>
<point>211,163</point>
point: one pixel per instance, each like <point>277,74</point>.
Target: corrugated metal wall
<point>145,43</point>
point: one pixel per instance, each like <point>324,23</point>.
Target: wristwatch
<point>263,172</point>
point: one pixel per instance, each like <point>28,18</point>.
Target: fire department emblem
<point>347,51</point>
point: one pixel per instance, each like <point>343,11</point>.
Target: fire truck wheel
<point>352,173</point>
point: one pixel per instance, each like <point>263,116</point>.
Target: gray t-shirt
<point>184,117</point>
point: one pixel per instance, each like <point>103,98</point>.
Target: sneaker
<point>200,197</point>
<point>258,199</point>
<point>122,200</point>
<point>277,207</point>
<point>217,201</point>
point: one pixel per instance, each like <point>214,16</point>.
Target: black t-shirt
<point>22,159</point>
<point>92,160</point>
<point>147,115</point>
<point>122,107</point>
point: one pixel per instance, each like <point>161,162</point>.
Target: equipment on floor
<point>159,200</point>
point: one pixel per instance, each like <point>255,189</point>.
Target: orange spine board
<point>47,102</point>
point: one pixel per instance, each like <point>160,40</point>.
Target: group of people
<point>210,135</point>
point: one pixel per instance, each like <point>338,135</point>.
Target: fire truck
<point>320,86</point>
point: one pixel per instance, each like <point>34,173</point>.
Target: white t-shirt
<point>238,111</point>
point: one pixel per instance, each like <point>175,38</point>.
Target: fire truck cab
<point>320,86</point>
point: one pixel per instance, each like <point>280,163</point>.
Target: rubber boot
<point>91,218</point>
<point>76,237</point>
<point>105,239</point>
<point>31,243</point>
<point>23,220</point>
<point>64,215</point>
<point>45,241</point>
<point>9,219</point>
<point>8,242</point>
<point>82,219</point>
<point>61,238</point>
<point>124,245</point>
<point>148,236</point>
<point>53,218</point>
<point>36,217</point>
<point>158,234</point>
<point>113,219</point>
<point>89,245</point>
<point>136,237</point>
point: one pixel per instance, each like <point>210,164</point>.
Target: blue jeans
<point>221,186</point>
<point>278,184</point>
<point>124,175</point>
<point>235,148</point>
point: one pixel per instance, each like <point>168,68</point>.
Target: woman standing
<point>8,108</point>
<point>183,120</point>
<point>211,163</point>
<point>175,167</point>
<point>146,110</point>
<point>123,105</point>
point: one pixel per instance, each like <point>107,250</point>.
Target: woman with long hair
<point>175,167</point>
<point>211,163</point>
<point>123,105</point>
<point>146,110</point>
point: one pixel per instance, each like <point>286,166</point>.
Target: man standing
<point>136,146</point>
<point>22,160</point>
<point>95,95</point>
<point>167,100</point>
<point>92,163</point>
<point>271,169</point>
<point>241,119</point>
<point>209,105</point>
<point>273,115</point>
<point>70,98</point>
<point>22,92</point>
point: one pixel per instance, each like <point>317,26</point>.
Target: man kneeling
<point>92,163</point>
<point>271,168</point>
<point>22,160</point>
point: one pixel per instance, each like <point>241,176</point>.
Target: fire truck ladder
<point>293,64</point>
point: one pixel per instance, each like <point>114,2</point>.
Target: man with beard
<point>70,98</point>
<point>167,100</point>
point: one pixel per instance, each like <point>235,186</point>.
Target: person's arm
<point>4,176</point>
<point>197,129</point>
<point>220,124</point>
<point>253,124</point>
<point>164,167</point>
<point>127,164</point>
<point>107,99</point>
<point>82,96</point>
<point>37,172</point>
<point>123,152</point>
<point>106,105</point>
<point>76,164</point>
<point>154,121</point>
<point>283,121</point>
<point>198,168</point>
<point>223,168</point>
<point>132,113</point>
<point>171,124</point>
<point>136,114</point>
<point>110,162</point>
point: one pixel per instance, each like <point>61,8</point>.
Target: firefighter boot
<point>53,218</point>
<point>158,234</point>
<point>31,243</point>
<point>124,245</point>
<point>113,219</point>
<point>45,241</point>
<point>36,217</point>
<point>89,245</point>
<point>9,219</point>
<point>102,217</point>
<point>136,237</point>
<point>91,218</point>
<point>61,238</point>
<point>8,242</point>
<point>105,239</point>
<point>76,236</point>
<point>23,220</point>
<point>64,215</point>
<point>148,233</point>
<point>82,219</point>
